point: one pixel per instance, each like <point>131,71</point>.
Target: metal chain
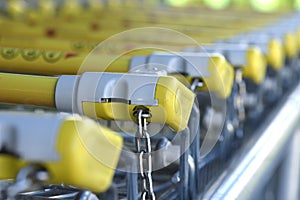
<point>27,177</point>
<point>196,83</point>
<point>239,98</point>
<point>143,147</point>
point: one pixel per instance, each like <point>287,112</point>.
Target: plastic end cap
<point>275,56</point>
<point>256,65</point>
<point>222,76</point>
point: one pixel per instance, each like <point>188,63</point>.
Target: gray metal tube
<point>256,163</point>
<point>290,175</point>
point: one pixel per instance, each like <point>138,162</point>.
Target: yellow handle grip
<point>27,90</point>
<point>33,61</point>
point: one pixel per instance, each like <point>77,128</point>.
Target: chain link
<point>27,177</point>
<point>196,83</point>
<point>239,98</point>
<point>143,147</point>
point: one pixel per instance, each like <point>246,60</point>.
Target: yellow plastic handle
<point>276,54</point>
<point>27,90</point>
<point>290,45</point>
<point>221,77</point>
<point>32,61</point>
<point>174,106</point>
<point>256,66</point>
<point>174,99</point>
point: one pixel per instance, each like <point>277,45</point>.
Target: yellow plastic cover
<point>221,77</point>
<point>174,106</point>
<point>256,65</point>
<point>276,55</point>
<point>9,166</point>
<point>89,155</point>
<point>290,43</point>
<point>298,38</point>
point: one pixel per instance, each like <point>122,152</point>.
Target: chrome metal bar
<point>246,176</point>
<point>290,175</point>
